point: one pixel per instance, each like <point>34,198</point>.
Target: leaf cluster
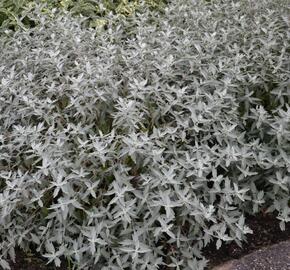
<point>135,147</point>
<point>14,13</point>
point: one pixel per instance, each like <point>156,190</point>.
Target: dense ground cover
<point>14,13</point>
<point>137,145</point>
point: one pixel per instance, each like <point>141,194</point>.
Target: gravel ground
<point>276,257</point>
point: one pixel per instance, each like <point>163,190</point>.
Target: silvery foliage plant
<point>135,146</point>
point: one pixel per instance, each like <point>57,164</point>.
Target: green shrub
<point>14,13</point>
<point>135,147</point>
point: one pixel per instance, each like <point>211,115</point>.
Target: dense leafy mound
<point>14,14</point>
<point>133,148</point>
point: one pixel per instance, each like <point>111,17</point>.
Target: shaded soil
<point>31,262</point>
<point>266,232</point>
